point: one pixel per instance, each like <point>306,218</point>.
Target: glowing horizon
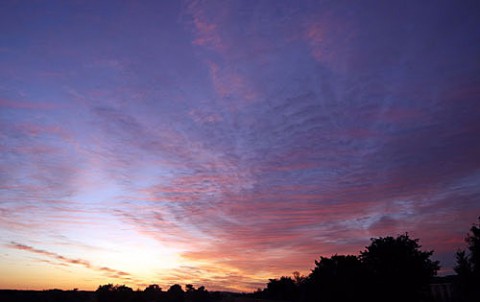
<point>225,143</point>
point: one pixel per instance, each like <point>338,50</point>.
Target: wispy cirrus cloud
<point>113,273</point>
<point>247,139</point>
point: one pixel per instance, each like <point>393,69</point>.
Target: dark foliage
<point>197,295</point>
<point>398,268</point>
<point>113,293</point>
<point>339,278</point>
<point>175,293</point>
<point>468,266</point>
<point>390,269</point>
<point>153,293</point>
<point>281,289</point>
<point>54,295</point>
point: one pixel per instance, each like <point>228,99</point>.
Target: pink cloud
<point>34,130</point>
<point>208,34</point>
<point>328,37</point>
<point>11,104</point>
<point>315,34</point>
<point>206,29</point>
<point>228,83</point>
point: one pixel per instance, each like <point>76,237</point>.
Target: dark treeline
<point>154,293</point>
<point>393,269</point>
<point>116,293</point>
<point>389,269</point>
<point>53,295</point>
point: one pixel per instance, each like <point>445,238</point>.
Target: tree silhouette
<point>175,293</point>
<point>339,278</point>
<point>111,293</point>
<point>153,293</point>
<point>298,278</point>
<point>468,266</point>
<point>398,269</point>
<point>196,295</point>
<point>281,289</point>
<point>104,293</point>
<point>389,269</point>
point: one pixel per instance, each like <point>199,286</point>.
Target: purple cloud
<point>247,139</point>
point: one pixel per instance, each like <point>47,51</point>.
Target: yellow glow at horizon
<point>145,262</point>
<point>24,273</point>
<point>35,275</point>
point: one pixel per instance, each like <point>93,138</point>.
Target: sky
<point>223,143</point>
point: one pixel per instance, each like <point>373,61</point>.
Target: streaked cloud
<point>69,261</point>
<point>223,144</point>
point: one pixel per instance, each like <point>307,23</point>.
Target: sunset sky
<point>223,143</point>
